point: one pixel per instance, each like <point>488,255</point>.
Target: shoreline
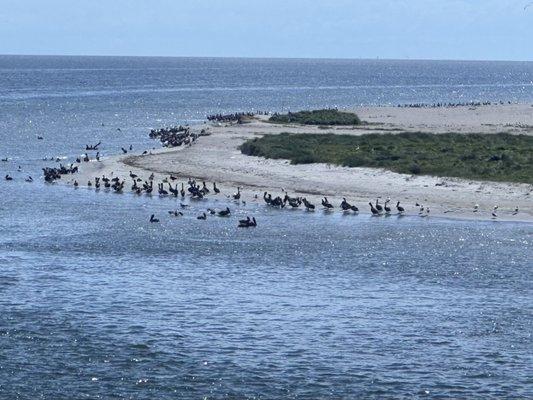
<point>216,158</point>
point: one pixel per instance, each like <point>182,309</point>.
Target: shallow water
<point>95,302</point>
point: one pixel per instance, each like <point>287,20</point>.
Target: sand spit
<point>217,158</point>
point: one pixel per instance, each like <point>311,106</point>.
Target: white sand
<point>217,158</point>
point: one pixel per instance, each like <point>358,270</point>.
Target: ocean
<point>95,302</point>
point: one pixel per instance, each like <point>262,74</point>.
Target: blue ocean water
<point>97,303</point>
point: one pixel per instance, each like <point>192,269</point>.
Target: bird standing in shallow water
<point>153,219</point>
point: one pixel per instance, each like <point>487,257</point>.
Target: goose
<point>203,216</point>
<point>132,175</point>
<point>153,219</point>
<point>327,205</point>
<point>224,213</point>
<point>400,209</point>
<point>215,189</point>
<point>373,209</point>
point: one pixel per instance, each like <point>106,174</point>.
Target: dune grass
<point>317,117</point>
<point>494,157</point>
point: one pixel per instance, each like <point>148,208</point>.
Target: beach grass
<point>493,157</point>
<point>328,116</point>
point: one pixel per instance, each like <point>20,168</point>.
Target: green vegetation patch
<point>317,117</point>
<point>495,157</point>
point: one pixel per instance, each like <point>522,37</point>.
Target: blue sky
<point>415,29</point>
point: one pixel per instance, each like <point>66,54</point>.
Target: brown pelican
<point>378,206</point>
<point>224,213</point>
<point>327,205</point>
<point>373,209</point>
<point>400,209</point>
<point>308,206</point>
<point>247,223</point>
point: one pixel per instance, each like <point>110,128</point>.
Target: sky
<point>389,29</point>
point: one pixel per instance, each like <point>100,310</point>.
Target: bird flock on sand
<point>169,185</point>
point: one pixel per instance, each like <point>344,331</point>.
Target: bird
<point>224,213</point>
<point>327,205</point>
<point>378,206</point>
<point>215,189</point>
<point>8,178</point>
<point>308,206</point>
<point>247,223</point>
<point>203,216</point>
<point>515,211</point>
<point>400,209</point>
<point>476,207</point>
<point>237,195</point>
<point>153,219</point>
<point>373,209</point>
<point>29,179</point>
<point>176,213</point>
<point>76,183</point>
<point>387,208</point>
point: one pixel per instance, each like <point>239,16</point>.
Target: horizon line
<point>262,57</point>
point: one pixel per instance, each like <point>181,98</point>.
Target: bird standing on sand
<point>400,209</point>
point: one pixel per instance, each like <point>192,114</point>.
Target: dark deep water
<point>97,303</point>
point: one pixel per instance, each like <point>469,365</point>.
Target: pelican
<point>400,209</point>
<point>308,205</point>
<point>224,213</point>
<point>378,206</point>
<point>373,209</point>
<point>327,205</point>
<point>215,189</point>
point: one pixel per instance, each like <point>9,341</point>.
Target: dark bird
<point>124,150</point>
<point>215,189</point>
<point>203,216</point>
<point>327,205</point>
<point>378,206</point>
<point>153,218</point>
<point>308,205</point>
<point>373,209</point>
<point>224,213</point>
<point>29,179</point>
<point>247,223</point>
<point>176,213</point>
<point>400,209</point>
